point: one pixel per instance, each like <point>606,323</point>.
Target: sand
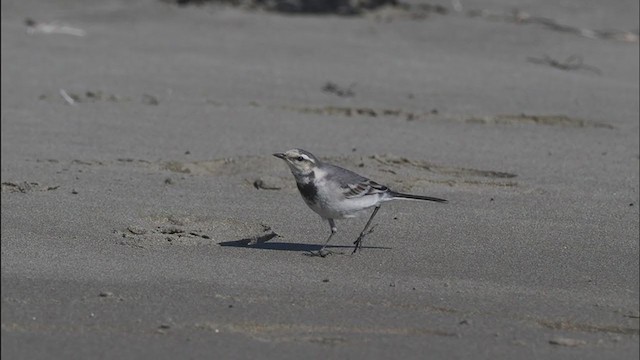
<point>143,215</point>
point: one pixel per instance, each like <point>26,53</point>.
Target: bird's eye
<point>299,158</point>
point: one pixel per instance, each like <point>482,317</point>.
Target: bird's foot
<point>357,245</point>
<point>320,253</point>
<point>358,242</point>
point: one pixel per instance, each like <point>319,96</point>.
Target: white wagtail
<point>337,193</point>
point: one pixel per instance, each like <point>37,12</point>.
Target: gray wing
<point>355,185</point>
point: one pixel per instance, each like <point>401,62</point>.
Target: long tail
<point>416,197</point>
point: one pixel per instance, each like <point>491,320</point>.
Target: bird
<point>336,193</point>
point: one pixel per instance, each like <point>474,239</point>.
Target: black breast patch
<point>309,191</point>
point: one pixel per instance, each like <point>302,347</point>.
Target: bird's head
<point>299,161</point>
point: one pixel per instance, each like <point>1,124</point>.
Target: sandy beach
<point>143,215</point>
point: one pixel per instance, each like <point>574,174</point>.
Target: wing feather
<point>354,185</point>
<point>364,188</point>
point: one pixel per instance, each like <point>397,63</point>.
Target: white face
<point>298,161</point>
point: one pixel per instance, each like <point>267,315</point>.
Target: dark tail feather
<point>416,197</point>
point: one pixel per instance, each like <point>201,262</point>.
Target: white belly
<point>330,206</point>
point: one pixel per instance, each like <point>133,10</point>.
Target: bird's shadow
<point>263,243</point>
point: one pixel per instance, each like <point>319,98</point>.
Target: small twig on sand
<point>33,27</point>
<point>338,90</point>
<point>573,62</point>
<point>66,97</point>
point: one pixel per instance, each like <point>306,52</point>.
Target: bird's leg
<point>322,252</point>
<point>358,242</point>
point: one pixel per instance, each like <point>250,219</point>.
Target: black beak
<point>279,155</point>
